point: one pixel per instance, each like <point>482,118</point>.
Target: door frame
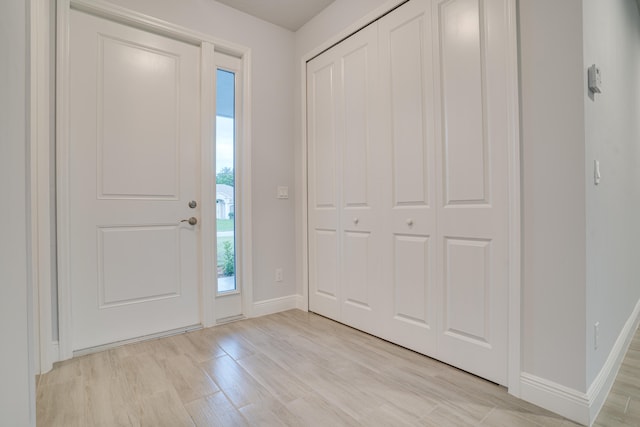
<point>514,186</point>
<point>208,45</point>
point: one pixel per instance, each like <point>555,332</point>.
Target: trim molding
<point>514,349</point>
<point>275,305</point>
<point>302,302</point>
<point>573,404</point>
<point>601,385</point>
<point>555,397</point>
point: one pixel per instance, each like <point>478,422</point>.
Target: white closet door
<point>406,83</point>
<point>473,190</point>
<point>408,181</point>
<point>345,239</point>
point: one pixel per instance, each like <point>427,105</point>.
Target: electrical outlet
<point>279,275</point>
<point>596,335</point>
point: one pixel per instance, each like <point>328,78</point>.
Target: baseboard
<point>573,404</point>
<point>601,385</point>
<point>302,303</point>
<point>276,305</point>
<point>557,398</point>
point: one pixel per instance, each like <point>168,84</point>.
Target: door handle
<point>192,221</point>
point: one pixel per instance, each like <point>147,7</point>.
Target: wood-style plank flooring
<point>289,369</point>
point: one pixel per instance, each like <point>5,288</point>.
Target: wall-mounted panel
<point>324,137</point>
<point>467,289</point>
<point>464,126</point>
<point>129,273</point>
<point>138,121</point>
<point>411,265</point>
<point>408,79</point>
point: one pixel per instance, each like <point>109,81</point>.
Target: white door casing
<point>133,168</point>
<point>445,135</point>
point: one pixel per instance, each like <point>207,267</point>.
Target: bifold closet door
<point>345,238</point>
<point>408,181</point>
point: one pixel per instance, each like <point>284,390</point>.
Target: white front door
<point>133,164</point>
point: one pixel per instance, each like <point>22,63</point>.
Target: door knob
<point>192,221</point>
<point>356,221</point>
<point>410,222</point>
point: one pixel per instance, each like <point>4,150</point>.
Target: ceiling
<point>290,14</point>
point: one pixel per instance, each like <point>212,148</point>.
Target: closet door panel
<point>472,206</point>
<point>406,75</point>
<point>323,235</point>
<point>360,208</point>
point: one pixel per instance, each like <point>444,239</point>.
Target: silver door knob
<point>356,221</point>
<point>410,222</point>
<point>192,221</point>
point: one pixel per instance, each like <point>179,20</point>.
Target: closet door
<point>345,238</point>
<point>473,185</point>
<point>406,84</point>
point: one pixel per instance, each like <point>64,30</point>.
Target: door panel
<point>406,73</point>
<point>462,65</point>
<point>138,119</point>
<point>472,215</point>
<point>359,174</point>
<point>324,279</point>
<point>134,132</point>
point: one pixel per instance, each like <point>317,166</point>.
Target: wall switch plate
<point>279,276</point>
<point>596,172</point>
<point>596,335</point>
<point>283,192</point>
<point>595,79</point>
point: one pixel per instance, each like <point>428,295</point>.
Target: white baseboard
<point>276,305</point>
<point>601,385</point>
<point>573,404</point>
<point>555,397</point>
<point>302,303</point>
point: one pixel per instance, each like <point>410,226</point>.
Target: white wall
<point>553,191</point>
<point>17,396</point>
<point>272,143</point>
<point>612,123</point>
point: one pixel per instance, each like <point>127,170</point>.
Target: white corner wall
<point>553,204</point>
<point>612,123</point>
<point>272,77</point>
<point>17,384</point>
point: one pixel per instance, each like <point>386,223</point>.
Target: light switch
<point>283,192</point>
<point>595,79</point>
<point>596,172</point>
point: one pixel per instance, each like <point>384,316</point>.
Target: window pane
<point>225,180</point>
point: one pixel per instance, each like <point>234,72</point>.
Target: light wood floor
<point>288,369</point>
